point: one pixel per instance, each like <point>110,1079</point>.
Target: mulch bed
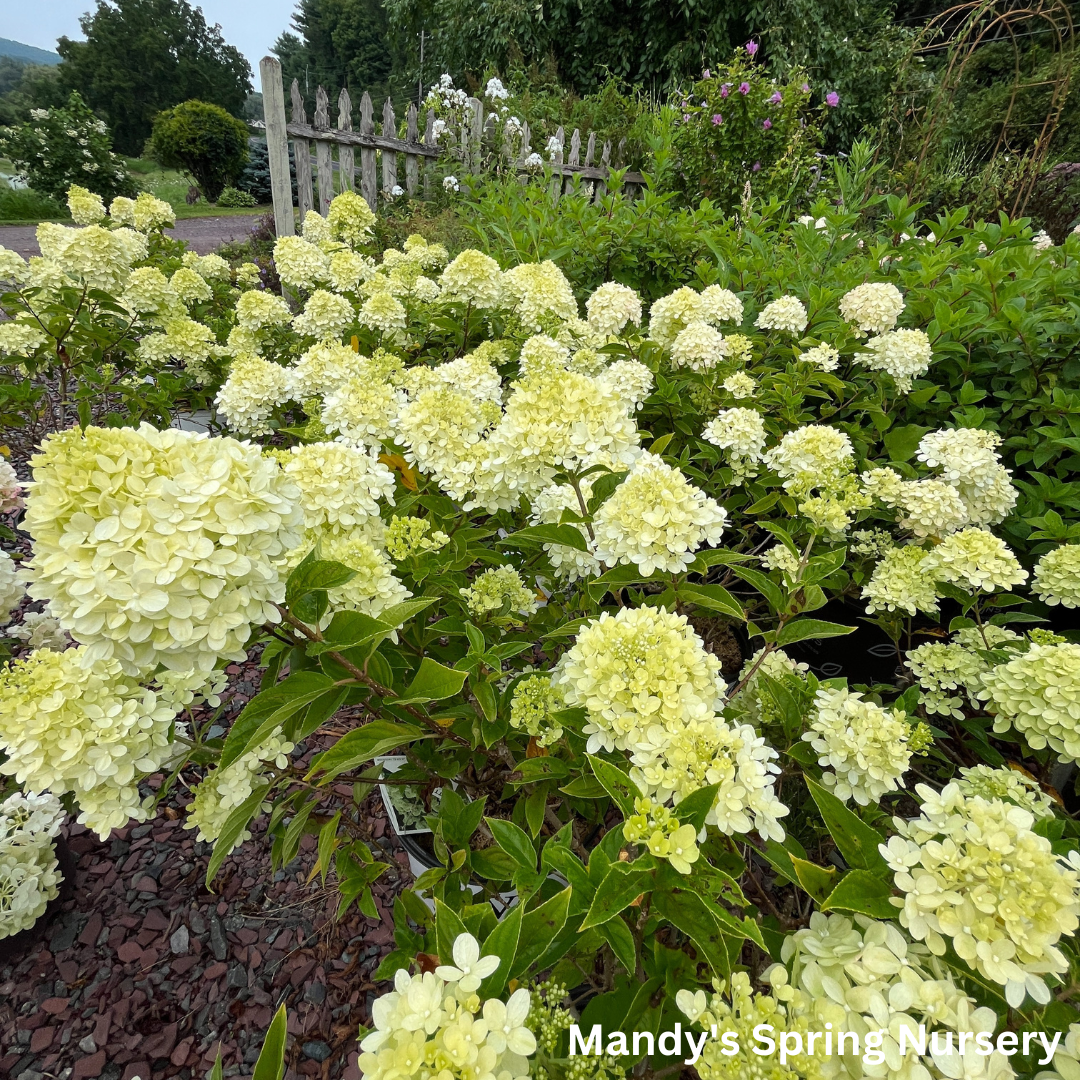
<point>145,973</point>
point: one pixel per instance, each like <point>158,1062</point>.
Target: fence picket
<point>472,143</point>
<point>412,173</point>
<point>429,140</point>
<point>324,153</point>
<point>305,197</point>
<point>277,145</point>
<point>389,157</point>
<point>346,158</point>
<point>368,182</point>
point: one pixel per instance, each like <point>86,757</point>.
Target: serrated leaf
<point>502,942</point>
<point>816,880</point>
<point>857,841</point>
<point>433,682</point>
<point>538,927</point>
<point>620,886</point>
<point>617,934</point>
<point>808,629</point>
<point>862,892</point>
<point>712,597</point>
<point>567,535</point>
<point>318,575</point>
<point>617,784</point>
<point>360,745</point>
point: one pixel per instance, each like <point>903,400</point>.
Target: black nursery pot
<point>15,947</point>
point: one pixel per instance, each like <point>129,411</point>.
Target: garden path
<point>204,235</point>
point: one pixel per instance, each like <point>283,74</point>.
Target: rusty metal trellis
<point>921,106</point>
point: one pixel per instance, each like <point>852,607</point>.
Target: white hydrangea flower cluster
<point>1057,576</point>
<point>787,313</point>
<point>861,975</point>
<point>1038,694</point>
<point>968,460</point>
<point>1010,785</point>
<point>930,508</point>
<point>672,314</point>
<point>39,630</point>
<point>813,456</point>
<point>222,790</point>
<point>864,744</point>
<point>11,588</point>
<point>973,871</point>
<point>650,688</point>
<point>495,587</point>
<point>475,279</point>
<point>656,519</point>
<point>822,356</point>
<point>157,547</point>
<point>612,307</point>
<point>903,354</point>
<point>941,668</point>
<point>539,293</point>
<point>739,385</point>
<point>326,316</point>
<point>975,559</point>
<point>340,487</point>
<point>742,433</point>
<point>872,307</point>
<point>903,580</point>
<point>658,830</point>
<point>435,1026</point>
<point>699,347</point>
<point>29,877</point>
<point>735,1014</point>
<point>254,388</point>
<point>69,723</point>
<point>531,708</point>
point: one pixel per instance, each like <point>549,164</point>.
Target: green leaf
<point>616,783</point>
<point>538,929</point>
<point>360,745</point>
<point>348,629</point>
<point>584,787</point>
<point>215,1073</point>
<point>863,892</point>
<point>485,694</point>
<point>617,934</point>
<point>857,841</point>
<point>503,943</point>
<point>493,864</point>
<point>713,597</point>
<point>816,880</point>
<point>620,887</point>
<point>234,825</point>
<point>433,682</point>
<point>689,913</point>
<point>535,806</point>
<point>406,610</point>
<point>902,442</point>
<point>448,927</point>
<point>327,843</point>
<point>514,841</point>
<point>271,1063</point>
<point>274,705</point>
<point>568,535</point>
<point>802,629</point>
<point>696,806</point>
<point>764,585</point>
<point>316,576</point>
<point>460,819</point>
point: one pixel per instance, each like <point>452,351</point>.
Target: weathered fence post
<point>277,145</point>
<point>305,199</point>
<point>389,157</point>
<point>368,183</point>
<point>555,187</point>
<point>429,140</point>
<point>324,153</point>
<point>346,160</point>
<point>574,159</point>
<point>412,135</point>
<point>476,135</point>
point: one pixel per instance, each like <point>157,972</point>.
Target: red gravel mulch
<point>145,973</point>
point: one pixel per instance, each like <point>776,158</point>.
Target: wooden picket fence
<point>473,146</point>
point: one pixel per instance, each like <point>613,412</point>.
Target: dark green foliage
<point>340,43</point>
<point>26,86</point>
<point>233,198</point>
<point>255,179</point>
<point>205,141</point>
<point>25,204</point>
<point>142,56</point>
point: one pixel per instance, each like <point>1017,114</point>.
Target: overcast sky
<point>251,25</point>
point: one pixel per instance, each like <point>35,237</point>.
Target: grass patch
<point>20,206</point>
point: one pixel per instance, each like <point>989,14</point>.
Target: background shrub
<point>60,147</point>
<point>203,140</point>
<point>231,197</point>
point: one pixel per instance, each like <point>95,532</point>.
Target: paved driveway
<point>202,234</point>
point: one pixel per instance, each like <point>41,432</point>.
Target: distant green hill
<point>28,53</point>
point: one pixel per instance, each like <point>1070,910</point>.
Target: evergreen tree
<point>143,56</point>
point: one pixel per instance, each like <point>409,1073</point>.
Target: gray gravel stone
<point>65,930</point>
<point>218,943</point>
<point>180,940</point>
<point>315,993</point>
<point>317,1050</point>
<point>87,1045</point>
